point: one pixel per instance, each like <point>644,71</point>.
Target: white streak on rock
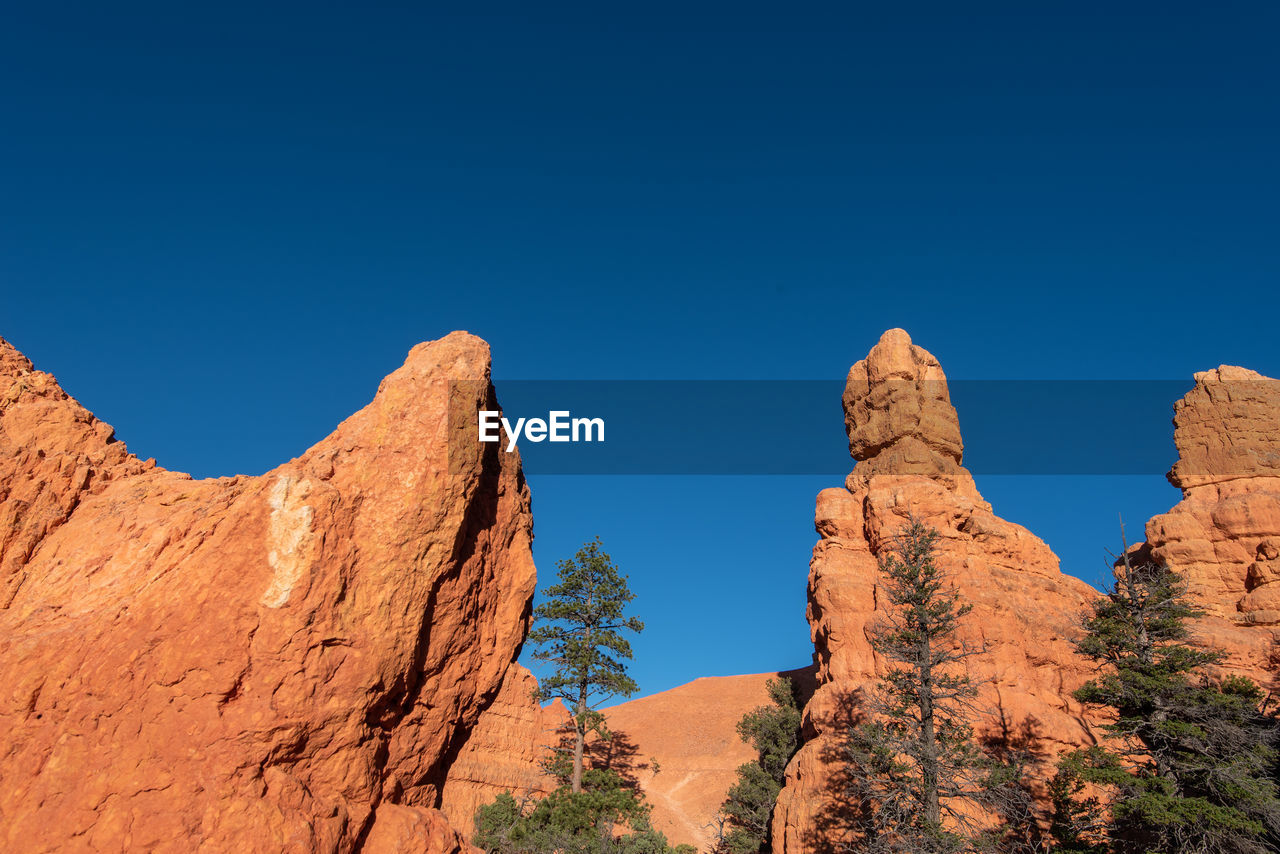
<point>289,538</point>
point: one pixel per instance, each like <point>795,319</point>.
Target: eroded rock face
<point>1224,536</point>
<point>289,662</point>
<point>905,436</point>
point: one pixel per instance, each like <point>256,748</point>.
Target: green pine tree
<point>1080,822</point>
<point>578,630</point>
<point>774,731</point>
<point>594,820</point>
<point>594,810</point>
<point>1188,762</point>
<point>913,770</point>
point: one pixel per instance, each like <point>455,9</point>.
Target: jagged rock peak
<point>898,412</point>
<point>12,362</point>
<point>53,455</point>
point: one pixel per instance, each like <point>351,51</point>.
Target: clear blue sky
<point>221,225</point>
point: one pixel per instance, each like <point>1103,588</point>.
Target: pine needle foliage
<point>913,769</point>
<point>774,731</point>
<point>605,817</point>
<point>579,630</point>
<point>1188,763</point>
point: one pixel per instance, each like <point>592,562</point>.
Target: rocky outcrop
<point>1223,538</point>
<point>905,437</point>
<point>291,662</point>
<point>686,769</point>
<point>54,453</point>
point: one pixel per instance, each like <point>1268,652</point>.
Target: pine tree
<point>564,822</point>
<point>913,771</point>
<point>774,731</point>
<point>579,631</point>
<point>1080,823</point>
<point>1188,762</point>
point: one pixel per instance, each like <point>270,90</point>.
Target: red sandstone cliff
<point>904,435</point>
<point>291,662</point>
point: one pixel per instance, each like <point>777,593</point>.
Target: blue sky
<point>220,227</point>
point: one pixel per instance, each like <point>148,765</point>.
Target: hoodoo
<point>905,438</point>
<point>1223,538</point>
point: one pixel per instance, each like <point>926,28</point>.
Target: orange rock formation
<point>905,436</point>
<point>322,658</point>
<point>1224,536</point>
<point>291,662</point>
